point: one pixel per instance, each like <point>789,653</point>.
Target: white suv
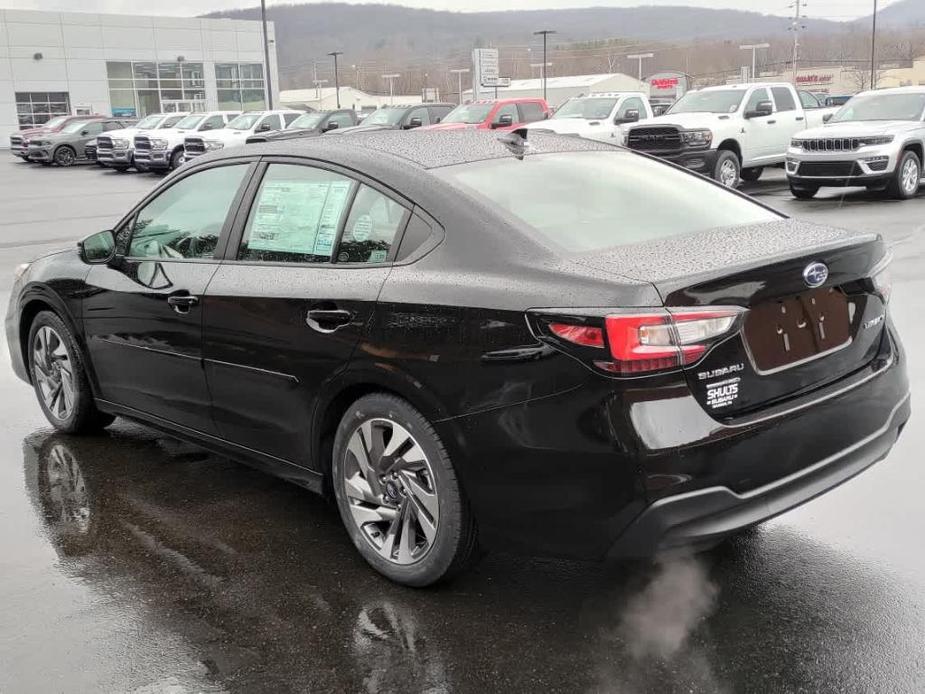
<point>116,149</point>
<point>235,134</point>
<point>876,140</point>
<point>163,150</point>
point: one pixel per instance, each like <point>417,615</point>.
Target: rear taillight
<point>659,340</point>
<point>882,280</point>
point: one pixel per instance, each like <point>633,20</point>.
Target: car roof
<point>422,149</point>
<point>510,100</point>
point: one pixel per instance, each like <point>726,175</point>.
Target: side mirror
<point>84,132</point>
<point>827,117</point>
<point>414,123</point>
<point>764,108</point>
<point>264,127</point>
<point>330,125</point>
<point>97,248</point>
<point>631,116</point>
<point>503,121</point>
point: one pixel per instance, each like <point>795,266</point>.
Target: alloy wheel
<point>910,176</point>
<point>390,490</point>
<point>64,157</point>
<point>53,372</point>
<point>728,175</point>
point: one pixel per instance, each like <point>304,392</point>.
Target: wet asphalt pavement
<point>133,563</point>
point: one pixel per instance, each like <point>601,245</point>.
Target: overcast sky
<point>829,9</point>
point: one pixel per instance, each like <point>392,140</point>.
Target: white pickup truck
<point>732,132</point>
<point>598,116</point>
<point>163,150</point>
<point>235,134</point>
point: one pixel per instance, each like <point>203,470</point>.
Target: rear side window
<point>586,201</point>
<point>296,215</point>
<point>784,99</point>
<point>530,112</point>
<point>372,228</point>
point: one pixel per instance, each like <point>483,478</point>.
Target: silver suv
<point>876,140</point>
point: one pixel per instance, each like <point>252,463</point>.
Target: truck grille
<point>194,146</point>
<point>654,139</point>
<point>16,140</point>
<point>142,143</point>
<point>90,152</point>
<point>103,144</point>
<point>828,168</point>
<point>831,144</point>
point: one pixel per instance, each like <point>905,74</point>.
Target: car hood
<point>451,126</point>
<point>690,121</point>
<point>224,135</point>
<point>364,128</point>
<point>128,133</point>
<point>860,128</point>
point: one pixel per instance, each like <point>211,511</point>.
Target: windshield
<point>713,101</point>
<point>190,122</point>
<point>590,108</point>
<point>55,122</point>
<point>881,107</point>
<point>586,201</point>
<point>149,122</point>
<point>385,116</point>
<point>75,127</point>
<point>245,121</point>
<point>469,113</point>
<point>171,121</point>
<point>306,121</point>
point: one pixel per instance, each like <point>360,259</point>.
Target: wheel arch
<point>731,145</point>
<point>34,302</point>
<point>916,148</point>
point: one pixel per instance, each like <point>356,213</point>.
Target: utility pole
<point>318,84</point>
<point>796,26</point>
<point>753,47</point>
<point>459,72</point>
<point>334,55</point>
<point>640,57</point>
<point>391,78</point>
<point>266,53</point>
<point>873,50</point>
<point>545,34</point>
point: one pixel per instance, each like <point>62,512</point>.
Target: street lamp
<point>544,33</point>
<point>334,54</point>
<point>640,57</point>
<point>266,53</point>
<point>390,78</point>
<point>459,72</point>
<point>873,48</point>
<point>753,47</point>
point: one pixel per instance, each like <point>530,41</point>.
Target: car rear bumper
<point>706,516</point>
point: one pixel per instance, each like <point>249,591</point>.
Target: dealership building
<point>55,63</point>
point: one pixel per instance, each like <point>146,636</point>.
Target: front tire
<point>727,169</point>
<point>398,493</point>
<point>907,179</point>
<point>65,156</point>
<point>751,173</point>
<point>56,364</point>
<point>803,193</point>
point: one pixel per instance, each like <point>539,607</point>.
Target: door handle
<point>771,122</point>
<point>182,303</point>
<point>800,118</point>
<point>328,320</point>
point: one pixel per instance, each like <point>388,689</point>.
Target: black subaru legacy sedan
<point>470,341</point>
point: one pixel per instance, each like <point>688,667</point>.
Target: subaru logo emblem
<point>815,275</point>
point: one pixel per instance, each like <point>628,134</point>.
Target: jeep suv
<point>67,146</point>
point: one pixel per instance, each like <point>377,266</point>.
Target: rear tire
<point>398,493</point>
<point>751,173</point>
<point>907,179</point>
<point>803,193</point>
<point>727,169</point>
<point>56,365</point>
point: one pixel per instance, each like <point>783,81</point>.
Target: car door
<point>143,311</point>
<point>285,311</point>
<point>762,133</point>
<point>90,131</point>
<point>791,118</point>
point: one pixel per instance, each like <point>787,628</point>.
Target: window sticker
<point>362,228</point>
<point>298,216</point>
<point>377,256</point>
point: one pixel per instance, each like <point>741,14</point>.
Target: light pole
<point>459,72</point>
<point>390,78</point>
<point>640,57</point>
<point>318,84</point>
<point>873,48</point>
<point>544,33</point>
<point>266,53</point>
<point>334,55</point>
<point>753,47</point>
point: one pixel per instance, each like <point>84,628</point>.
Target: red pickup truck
<point>499,114</point>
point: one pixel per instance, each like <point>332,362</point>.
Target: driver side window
<point>186,220</point>
<point>756,98</point>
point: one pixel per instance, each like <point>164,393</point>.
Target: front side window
<point>421,114</point>
<point>470,114</point>
<point>809,100</point>
<point>587,201</point>
<point>783,99</point>
<point>296,215</point>
<point>271,122</point>
<point>756,98</point>
<point>186,220</point>
<point>371,228</point>
<point>632,104</point>
<point>212,123</point>
<point>506,110</point>
<point>342,119</point>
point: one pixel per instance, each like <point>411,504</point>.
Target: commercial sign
<point>818,78</point>
<point>668,85</point>
<point>124,112</point>
<point>497,82</point>
<point>485,70</point>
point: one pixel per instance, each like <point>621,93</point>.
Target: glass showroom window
<point>138,89</point>
<point>240,86</point>
<point>36,108</point>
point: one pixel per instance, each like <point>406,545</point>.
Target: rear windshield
<point>585,201</point>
